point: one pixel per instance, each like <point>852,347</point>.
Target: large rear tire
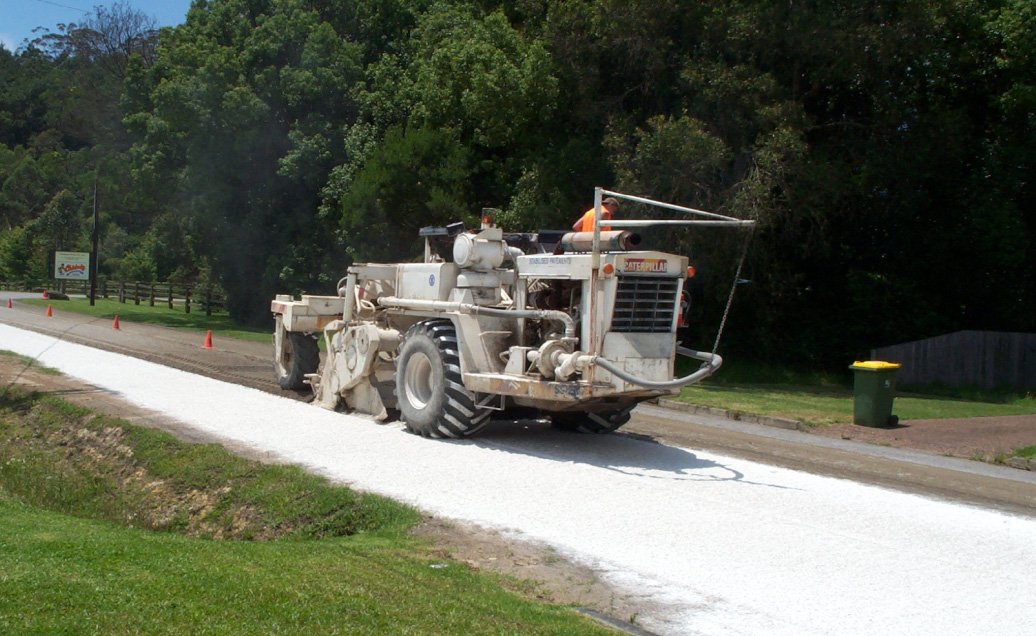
<point>430,392</point>
<point>295,355</point>
<point>598,423</point>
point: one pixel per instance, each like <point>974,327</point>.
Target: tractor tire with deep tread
<point>298,356</point>
<point>598,423</point>
<point>430,392</point>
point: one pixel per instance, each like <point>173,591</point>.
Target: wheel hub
<point>418,383</point>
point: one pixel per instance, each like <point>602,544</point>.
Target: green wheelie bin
<point>874,387</point>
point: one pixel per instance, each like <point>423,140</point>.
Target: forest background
<point>887,149</point>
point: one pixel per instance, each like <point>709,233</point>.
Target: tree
<point>60,222</point>
<point>243,115</point>
<point>111,36</point>
<point>472,74</point>
<point>886,148</point>
<point>414,178</point>
<point>23,82</point>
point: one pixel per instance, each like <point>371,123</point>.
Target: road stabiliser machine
<point>579,327</point>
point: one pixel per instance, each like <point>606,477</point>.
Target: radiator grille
<point>645,305</point>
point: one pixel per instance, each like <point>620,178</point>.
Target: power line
<point>63,6</point>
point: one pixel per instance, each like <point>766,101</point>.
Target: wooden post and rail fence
<point>207,297</point>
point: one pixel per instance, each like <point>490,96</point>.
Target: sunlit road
<point>727,545</point>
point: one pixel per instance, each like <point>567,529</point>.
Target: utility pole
<point>93,254</point>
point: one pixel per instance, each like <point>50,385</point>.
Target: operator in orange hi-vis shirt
<point>585,223</point>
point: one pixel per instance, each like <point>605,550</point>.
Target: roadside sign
<point>72,265</point>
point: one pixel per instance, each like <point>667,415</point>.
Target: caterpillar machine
<point>578,326</point>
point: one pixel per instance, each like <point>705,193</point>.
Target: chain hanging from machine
<point>733,288</point>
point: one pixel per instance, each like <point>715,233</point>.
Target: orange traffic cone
<point>208,340</point>
<point>9,305</point>
<point>115,324</point>
<point>50,312</point>
<point>46,296</point>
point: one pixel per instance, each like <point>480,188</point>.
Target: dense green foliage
<point>886,148</point>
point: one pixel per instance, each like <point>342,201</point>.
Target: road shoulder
<point>951,478</point>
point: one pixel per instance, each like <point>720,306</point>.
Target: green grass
<point>66,575</point>
<point>818,399</point>
<point>160,314</point>
<point>87,545</point>
<point>971,393</point>
<point>740,373</point>
<point>61,457</point>
<point>1028,452</point>
<point>30,362</point>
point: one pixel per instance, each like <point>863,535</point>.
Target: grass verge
<point>109,528</point>
<point>1029,452</point>
<point>818,406</point>
<point>158,315</point>
<point>818,399</point>
<point>29,362</point>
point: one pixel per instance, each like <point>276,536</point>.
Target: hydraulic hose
<point>711,360</point>
<point>466,308</point>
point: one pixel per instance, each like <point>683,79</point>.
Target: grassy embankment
<point>109,528</point>
<point>817,399</point>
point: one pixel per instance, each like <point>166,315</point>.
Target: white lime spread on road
<point>727,546</point>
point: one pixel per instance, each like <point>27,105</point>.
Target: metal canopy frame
<point>709,219</point>
<point>706,219</point>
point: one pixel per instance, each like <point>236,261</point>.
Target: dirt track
<point>913,457</point>
<point>983,438</point>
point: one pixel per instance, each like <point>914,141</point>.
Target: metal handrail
<point>651,222</point>
<point>711,219</point>
<point>671,206</point>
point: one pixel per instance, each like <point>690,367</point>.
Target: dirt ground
<point>980,438</point>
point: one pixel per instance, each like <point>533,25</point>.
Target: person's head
<point>609,207</point>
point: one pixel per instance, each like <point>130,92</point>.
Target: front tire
<point>295,355</point>
<point>430,392</point>
<point>599,423</point>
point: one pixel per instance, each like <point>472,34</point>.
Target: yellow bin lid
<point>875,364</point>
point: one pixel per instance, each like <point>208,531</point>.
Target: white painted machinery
<point>579,327</point>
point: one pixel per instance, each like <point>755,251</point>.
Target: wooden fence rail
<point>171,294</point>
<point>21,285</point>
<point>209,298</point>
<point>988,359</point>
<point>73,286</point>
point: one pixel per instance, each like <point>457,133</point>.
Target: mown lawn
<point>817,397</point>
<point>827,405</point>
<point>109,528</point>
<point>160,314</point>
<point>64,575</point>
